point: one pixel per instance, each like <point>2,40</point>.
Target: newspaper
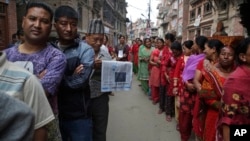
<point>116,76</point>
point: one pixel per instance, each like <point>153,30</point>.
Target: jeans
<point>76,130</point>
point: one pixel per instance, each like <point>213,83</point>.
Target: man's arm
<point>35,98</point>
<point>76,81</point>
<point>53,74</point>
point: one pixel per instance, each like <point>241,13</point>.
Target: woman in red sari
<point>155,72</point>
<point>199,46</point>
<point>236,97</point>
<point>174,78</point>
<point>213,77</point>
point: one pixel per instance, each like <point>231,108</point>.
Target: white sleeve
<point>35,97</point>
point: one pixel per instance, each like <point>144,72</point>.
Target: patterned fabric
<point>95,27</point>
<point>21,84</point>
<point>236,98</point>
<point>49,59</point>
<point>187,100</point>
<point>211,97</point>
<point>175,74</point>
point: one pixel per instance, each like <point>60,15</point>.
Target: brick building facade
<point>8,22</point>
<point>113,13</point>
<point>198,17</point>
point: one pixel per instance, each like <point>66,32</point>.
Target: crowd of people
<point>200,82</point>
<point>59,81</point>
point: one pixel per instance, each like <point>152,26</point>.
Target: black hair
<point>215,43</point>
<point>200,41</point>
<point>40,5</point>
<point>170,36</point>
<point>160,39</point>
<point>106,36</point>
<point>242,48</point>
<point>20,32</point>
<point>65,11</point>
<point>188,44</point>
<point>176,45</point>
<point>145,39</point>
<point>122,36</point>
<point>14,36</point>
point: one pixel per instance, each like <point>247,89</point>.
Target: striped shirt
<point>22,85</point>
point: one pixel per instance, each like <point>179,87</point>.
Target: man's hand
<point>98,64</point>
<point>78,69</point>
<point>42,74</point>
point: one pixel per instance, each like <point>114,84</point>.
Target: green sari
<point>143,72</point>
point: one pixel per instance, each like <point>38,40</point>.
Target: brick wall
<point>12,19</point>
<point>9,22</point>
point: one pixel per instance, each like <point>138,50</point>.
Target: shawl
<point>235,100</point>
<point>190,67</point>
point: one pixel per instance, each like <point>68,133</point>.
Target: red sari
<point>198,113</point>
<point>154,78</point>
<point>211,92</point>
<point>135,53</point>
<point>177,66</point>
<point>236,99</point>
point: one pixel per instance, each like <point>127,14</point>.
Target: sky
<point>137,7</point>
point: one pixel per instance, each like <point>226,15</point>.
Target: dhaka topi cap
<point>96,27</point>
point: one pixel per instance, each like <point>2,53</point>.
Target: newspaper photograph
<point>116,76</point>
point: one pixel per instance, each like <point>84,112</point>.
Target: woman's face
<point>194,48</point>
<point>209,52</point>
<point>176,52</point>
<point>187,51</point>
<point>246,57</point>
<point>160,44</point>
<point>148,43</point>
<point>226,57</point>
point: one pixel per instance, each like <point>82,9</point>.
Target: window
<point>199,11</point>
<point>207,8</point>
<point>2,8</point>
<point>223,5</point>
<point>207,31</point>
<point>192,14</point>
<point>80,17</point>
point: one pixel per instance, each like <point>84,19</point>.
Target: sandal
<point>168,118</point>
<point>160,111</point>
<point>177,127</point>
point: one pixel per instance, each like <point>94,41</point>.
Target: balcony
<point>192,2</point>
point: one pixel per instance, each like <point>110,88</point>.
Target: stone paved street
<point>133,117</point>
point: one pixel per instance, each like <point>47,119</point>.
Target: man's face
<point>66,28</point>
<point>122,40</point>
<point>36,25</point>
<point>95,40</point>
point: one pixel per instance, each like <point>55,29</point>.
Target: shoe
<point>168,118</point>
<point>160,111</point>
<point>177,127</point>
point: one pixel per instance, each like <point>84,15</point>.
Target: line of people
<point>59,81</point>
<point>202,83</point>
